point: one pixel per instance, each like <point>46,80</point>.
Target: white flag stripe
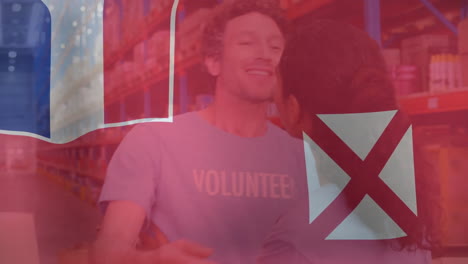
<point>77,86</point>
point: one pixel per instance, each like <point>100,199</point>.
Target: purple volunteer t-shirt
<point>201,183</point>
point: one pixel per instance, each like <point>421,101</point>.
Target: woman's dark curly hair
<point>336,68</point>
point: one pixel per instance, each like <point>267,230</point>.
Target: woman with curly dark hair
<point>372,199</point>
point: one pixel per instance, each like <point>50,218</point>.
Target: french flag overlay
<point>77,85</point>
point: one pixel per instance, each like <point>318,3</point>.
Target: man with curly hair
<point>219,177</point>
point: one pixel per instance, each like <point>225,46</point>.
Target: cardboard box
<point>417,51</point>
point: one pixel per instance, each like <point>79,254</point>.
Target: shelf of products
<point>84,187</point>
<point>80,166</point>
<point>156,17</point>
<point>435,103</point>
<point>150,78</point>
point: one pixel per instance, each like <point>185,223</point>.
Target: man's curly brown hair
<point>212,39</point>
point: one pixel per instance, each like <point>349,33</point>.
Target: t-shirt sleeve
<point>134,169</point>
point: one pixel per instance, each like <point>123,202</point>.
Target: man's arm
<point>116,242</point>
<point>118,234</point>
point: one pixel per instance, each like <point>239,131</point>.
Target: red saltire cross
<point>364,176</point>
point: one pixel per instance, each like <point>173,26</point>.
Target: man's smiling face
<point>253,45</point>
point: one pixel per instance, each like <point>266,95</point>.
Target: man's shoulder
<point>283,136</point>
<point>188,117</point>
<point>285,140</point>
<point>178,123</point>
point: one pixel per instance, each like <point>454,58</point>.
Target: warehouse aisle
<point>61,219</point>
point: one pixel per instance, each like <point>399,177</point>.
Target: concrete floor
<point>61,219</point>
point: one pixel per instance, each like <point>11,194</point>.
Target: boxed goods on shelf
<point>417,51</point>
<point>392,57</point>
<point>445,73</point>
<point>406,79</point>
